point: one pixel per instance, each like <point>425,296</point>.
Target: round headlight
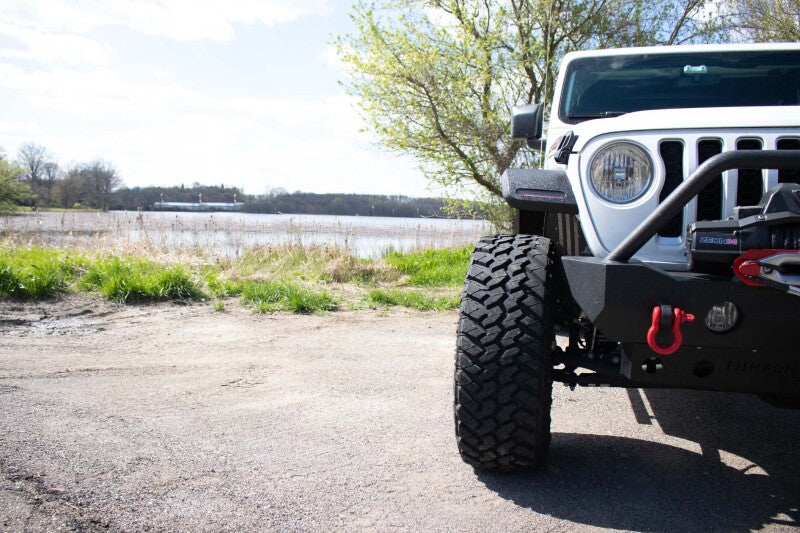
<point>620,172</point>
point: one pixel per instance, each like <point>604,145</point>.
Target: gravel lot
<point>173,417</point>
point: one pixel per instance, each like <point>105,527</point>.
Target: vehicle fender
<point>538,190</point>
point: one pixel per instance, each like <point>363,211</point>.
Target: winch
<point>760,244</point>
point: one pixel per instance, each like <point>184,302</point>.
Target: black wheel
<point>503,383</point>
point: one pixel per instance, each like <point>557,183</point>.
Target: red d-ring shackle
<point>678,318</point>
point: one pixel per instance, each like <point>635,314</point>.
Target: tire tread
<point>503,386</point>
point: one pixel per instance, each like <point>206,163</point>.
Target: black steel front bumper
<point>761,354</point>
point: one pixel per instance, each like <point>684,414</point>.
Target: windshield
<point>596,87</point>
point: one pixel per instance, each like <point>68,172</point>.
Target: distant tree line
<point>280,201</point>
<point>345,204</point>
<point>33,178</point>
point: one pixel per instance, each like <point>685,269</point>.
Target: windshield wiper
<point>587,116</point>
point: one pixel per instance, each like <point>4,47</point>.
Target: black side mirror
<point>527,122</point>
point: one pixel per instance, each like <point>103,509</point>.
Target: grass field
<point>290,278</point>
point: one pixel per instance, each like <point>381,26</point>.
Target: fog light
<point>722,317</point>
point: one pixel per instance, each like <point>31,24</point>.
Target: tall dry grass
<point>270,264</point>
<point>231,235</point>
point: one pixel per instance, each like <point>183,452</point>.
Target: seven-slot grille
<point>728,190</point>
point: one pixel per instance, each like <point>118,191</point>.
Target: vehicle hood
<point>746,118</point>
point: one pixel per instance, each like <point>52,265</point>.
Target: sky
<point>236,92</point>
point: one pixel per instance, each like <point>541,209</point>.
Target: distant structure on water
<point>197,206</point>
<point>200,205</point>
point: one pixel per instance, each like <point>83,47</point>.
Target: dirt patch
<point>76,314</point>
<point>177,417</point>
<point>70,315</point>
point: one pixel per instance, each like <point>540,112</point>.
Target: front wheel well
<point>563,229</point>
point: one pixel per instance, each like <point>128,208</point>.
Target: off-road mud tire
<point>503,383</point>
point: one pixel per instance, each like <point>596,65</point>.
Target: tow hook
<point>665,317</point>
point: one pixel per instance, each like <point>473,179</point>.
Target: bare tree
<point>69,191</point>
<point>98,179</point>
<point>32,158</point>
<point>51,172</point>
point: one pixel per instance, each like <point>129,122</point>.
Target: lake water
<point>231,233</point>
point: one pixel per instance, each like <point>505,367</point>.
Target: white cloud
<point>18,129</point>
<point>76,100</point>
<point>165,132</point>
<point>60,48</point>
<point>101,93</point>
<point>182,20</point>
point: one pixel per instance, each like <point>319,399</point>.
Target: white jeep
<point>661,238</point>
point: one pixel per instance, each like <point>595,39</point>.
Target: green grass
<point>33,273</point>
<point>315,264</point>
<point>271,296</point>
<point>446,267</point>
<point>129,279</point>
<point>413,299</point>
<point>428,268</point>
<point>286,278</point>
<point>218,288</point>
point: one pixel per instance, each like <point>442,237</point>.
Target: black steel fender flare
<point>540,190</point>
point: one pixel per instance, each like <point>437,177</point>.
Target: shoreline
<point>230,234</point>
